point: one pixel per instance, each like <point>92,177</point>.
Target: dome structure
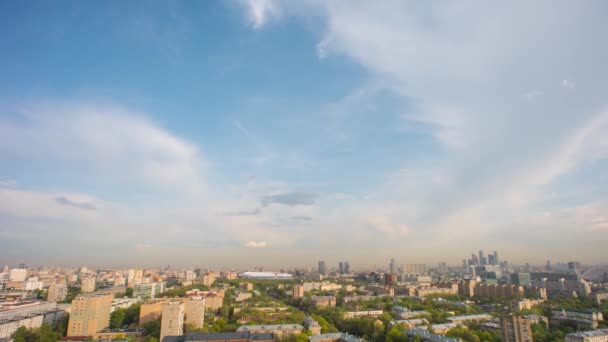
<point>596,274</point>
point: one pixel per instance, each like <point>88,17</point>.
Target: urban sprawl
<point>480,299</point>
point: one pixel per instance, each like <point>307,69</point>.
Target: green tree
<point>62,327</point>
<point>152,329</point>
<point>129,292</point>
<point>132,314</point>
<point>117,318</point>
<point>46,334</point>
<point>24,335</point>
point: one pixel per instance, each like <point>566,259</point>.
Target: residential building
<point>323,301</point>
<point>17,274</point>
<point>298,291</point>
<point>87,284</point>
<point>473,318</point>
<point>420,269</point>
<point>523,279</point>
<point>246,286</point>
<point>245,336</point>
<point>367,313</point>
<point>526,304</point>
<point>278,330</point>
<point>194,311</point>
<point>335,337</point>
<point>149,290</point>
<point>89,314</point>
<point>57,292</point>
<point>581,319</point>
<point>427,336</point>
<point>516,328</point>
<point>172,319</point>
<point>150,311</point>
<point>600,335</point>
<point>313,326</point>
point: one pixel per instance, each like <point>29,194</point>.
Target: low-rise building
<point>367,313</point>
<point>427,336</point>
<point>313,326</point>
<point>334,337</point>
<point>582,319</point>
<point>600,335</point>
<point>323,301</point>
<point>472,318</point>
<point>278,330</point>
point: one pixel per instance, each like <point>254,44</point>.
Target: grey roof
<point>226,336</point>
<point>427,336</point>
<point>269,327</point>
<point>181,338</point>
<point>592,333</point>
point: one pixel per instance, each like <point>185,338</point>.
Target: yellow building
<point>90,313</point>
<point>172,319</point>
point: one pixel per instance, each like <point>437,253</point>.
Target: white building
<point>18,274</point>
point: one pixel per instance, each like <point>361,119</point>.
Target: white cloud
<point>260,12</point>
<point>464,78</point>
<point>102,141</point>
<point>256,244</point>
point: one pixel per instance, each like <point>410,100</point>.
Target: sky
<point>279,133</point>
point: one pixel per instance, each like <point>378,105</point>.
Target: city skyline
<point>277,133</point>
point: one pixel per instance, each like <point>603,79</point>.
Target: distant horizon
<point>269,132</point>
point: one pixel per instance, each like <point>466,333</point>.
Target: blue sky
<point>238,133</point>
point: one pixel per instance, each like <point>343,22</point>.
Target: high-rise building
<point>420,269</point>
<point>194,311</point>
<point>496,260</point>
<point>298,291</point>
<point>89,314</point>
<point>521,279</point>
<point>516,329</point>
<point>491,259</point>
<point>88,284</point>
<point>482,258</point>
<point>392,268</point>
<point>322,270</point>
<point>343,267</point>
<point>442,268</point>
<point>57,292</point>
<point>18,274</point>
<point>390,279</point>
<point>172,319</point>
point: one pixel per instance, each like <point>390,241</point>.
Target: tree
<point>129,292</point>
<point>117,318</point>
<point>132,314</point>
<point>24,335</point>
<point>152,329</point>
<point>46,334</point>
<point>62,326</point>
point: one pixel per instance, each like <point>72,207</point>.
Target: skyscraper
<point>343,267</point>
<point>392,268</point>
<point>496,260</point>
<point>322,270</point>
<point>482,258</point>
<point>90,313</point>
<point>172,319</point>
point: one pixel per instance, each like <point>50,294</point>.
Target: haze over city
<point>278,133</point>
